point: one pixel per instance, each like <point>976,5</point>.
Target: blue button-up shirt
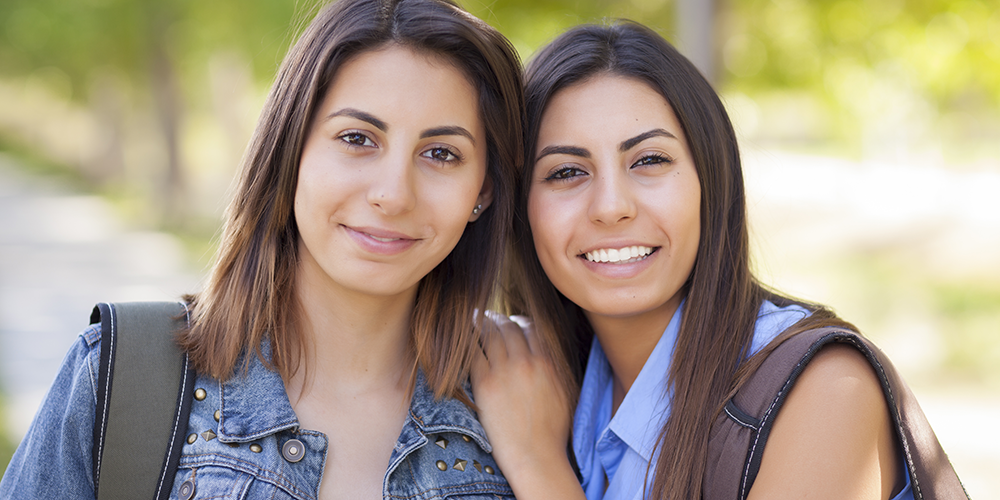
<point>614,453</point>
<point>441,452</point>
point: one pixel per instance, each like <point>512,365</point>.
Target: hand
<point>525,411</point>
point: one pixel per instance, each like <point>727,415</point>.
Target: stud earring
<point>475,211</point>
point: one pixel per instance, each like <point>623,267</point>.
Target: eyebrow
<point>384,127</point>
<point>563,150</point>
<point>628,144</point>
<point>361,115</point>
<point>448,130</point>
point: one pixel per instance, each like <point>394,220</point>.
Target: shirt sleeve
<point>54,460</point>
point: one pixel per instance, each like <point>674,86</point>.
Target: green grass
<point>7,446</point>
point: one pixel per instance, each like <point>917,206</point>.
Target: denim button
<point>186,491</point>
<point>293,450</point>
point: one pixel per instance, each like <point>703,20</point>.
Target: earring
<point>475,211</point>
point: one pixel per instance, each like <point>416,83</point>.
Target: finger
<point>492,338</point>
<point>514,338</point>
<point>528,327</point>
<point>480,366</point>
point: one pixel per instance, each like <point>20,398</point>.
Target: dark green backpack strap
<point>143,399</point>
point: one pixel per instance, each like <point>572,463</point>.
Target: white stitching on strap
<point>177,416</point>
<point>746,471</point>
<point>898,422</point>
<point>737,419</point>
<point>107,389</point>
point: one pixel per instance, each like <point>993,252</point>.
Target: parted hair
<point>250,295</point>
<point>722,295</point>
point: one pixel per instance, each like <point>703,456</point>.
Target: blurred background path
<point>60,253</point>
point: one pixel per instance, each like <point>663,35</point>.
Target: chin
<point>621,308</point>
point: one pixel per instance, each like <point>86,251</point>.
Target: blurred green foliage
<point>971,317</point>
<point>949,49</point>
<point>84,38</point>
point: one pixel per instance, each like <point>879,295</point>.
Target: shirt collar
<point>254,401</point>
<point>646,406</point>
<point>433,416</point>
<point>642,413</point>
<point>255,404</point>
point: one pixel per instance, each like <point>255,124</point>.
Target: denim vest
<point>244,442</point>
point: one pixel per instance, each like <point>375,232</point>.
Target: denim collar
<point>255,404</point>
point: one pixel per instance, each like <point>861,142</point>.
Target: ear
<point>484,199</point>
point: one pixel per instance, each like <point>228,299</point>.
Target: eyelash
<point>455,157</point>
<point>652,159</point>
<point>352,136</point>
<point>560,174</point>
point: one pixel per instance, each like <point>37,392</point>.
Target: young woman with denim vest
<point>335,335</point>
<point>632,244</point>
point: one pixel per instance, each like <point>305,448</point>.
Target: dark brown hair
<point>722,295</point>
<point>250,294</point>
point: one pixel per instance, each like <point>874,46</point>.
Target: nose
<point>392,190</point>
<point>612,201</point>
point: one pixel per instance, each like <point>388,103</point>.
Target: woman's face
<point>615,200</point>
<point>391,169</point>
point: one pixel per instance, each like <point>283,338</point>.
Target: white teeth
<point>383,240</point>
<point>619,255</point>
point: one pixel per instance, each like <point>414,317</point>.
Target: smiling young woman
<point>631,245</point>
<point>336,332</point>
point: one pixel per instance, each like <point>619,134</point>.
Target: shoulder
<point>833,433</point>
<point>838,388</point>
<point>60,437</point>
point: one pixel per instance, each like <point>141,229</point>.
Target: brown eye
<point>653,159</point>
<point>565,173</point>
<point>356,139</point>
<point>441,155</point>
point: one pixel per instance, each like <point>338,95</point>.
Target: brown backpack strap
<point>740,432</point>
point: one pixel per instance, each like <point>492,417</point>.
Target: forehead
<point>606,105</point>
<point>398,78</point>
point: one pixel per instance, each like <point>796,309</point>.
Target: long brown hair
<point>722,295</point>
<point>250,295</point>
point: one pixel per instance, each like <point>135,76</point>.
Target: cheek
<point>452,203</point>
<point>687,226</point>
<point>548,229</point>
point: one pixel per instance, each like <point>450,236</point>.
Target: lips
<point>380,241</point>
<point>624,255</point>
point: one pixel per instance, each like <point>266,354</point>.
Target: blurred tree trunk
<point>107,98</point>
<point>696,38</point>
<point>167,104</point>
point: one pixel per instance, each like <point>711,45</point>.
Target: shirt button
<point>293,450</point>
<point>186,491</point>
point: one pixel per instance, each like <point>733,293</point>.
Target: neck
<point>353,342</point>
<point>627,342</point>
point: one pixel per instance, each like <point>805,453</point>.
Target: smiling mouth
<point>624,255</point>
<point>383,240</point>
